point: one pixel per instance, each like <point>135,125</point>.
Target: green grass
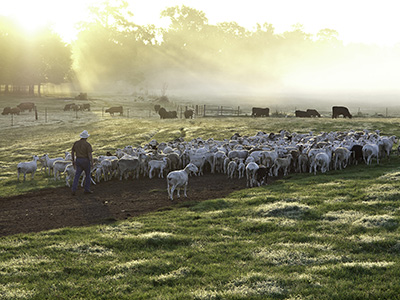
<point>329,236</point>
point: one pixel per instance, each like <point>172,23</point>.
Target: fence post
<point>238,111</point>
<point>45,115</point>
<point>36,115</point>
<point>12,119</point>
<point>204,112</point>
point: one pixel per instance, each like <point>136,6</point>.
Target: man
<point>82,150</point>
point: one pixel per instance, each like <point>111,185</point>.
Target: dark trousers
<point>82,164</point>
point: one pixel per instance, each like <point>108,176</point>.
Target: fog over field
<point>216,60</point>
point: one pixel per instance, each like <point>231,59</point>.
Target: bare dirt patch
<point>113,200</point>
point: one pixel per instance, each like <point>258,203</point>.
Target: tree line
<point>111,49</point>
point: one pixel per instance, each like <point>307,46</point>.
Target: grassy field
<point>330,236</point>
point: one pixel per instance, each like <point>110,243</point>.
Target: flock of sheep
<point>254,157</point>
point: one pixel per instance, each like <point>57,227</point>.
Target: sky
<point>357,21</point>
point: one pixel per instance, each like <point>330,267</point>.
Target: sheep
<point>261,175</point>
<point>370,151</point>
<point>128,164</point>
<point>28,167</point>
<point>282,163</point>
<point>179,179</point>
<point>48,162</point>
<point>158,165</point>
<point>219,158</point>
<point>59,167</point>
<point>386,144</point>
<point>342,156</point>
<point>232,168</point>
<point>251,170</point>
<point>321,160</point>
<point>241,169</point>
<point>69,173</point>
<point>198,160</point>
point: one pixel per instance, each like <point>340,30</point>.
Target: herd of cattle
<point>188,113</point>
<point>19,108</point>
<point>309,113</point>
<point>254,157</point>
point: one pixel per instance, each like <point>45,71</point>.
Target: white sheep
<point>159,165</point>
<point>59,167</point>
<point>178,179</point>
<point>232,168</point>
<point>251,170</point>
<point>28,167</point>
<point>70,174</point>
<point>48,162</point>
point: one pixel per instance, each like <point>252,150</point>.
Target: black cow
<point>6,110</point>
<point>188,114</point>
<point>340,110</point>
<point>115,109</point>
<point>157,107</point>
<point>313,113</point>
<point>13,111</point>
<point>68,107</point>
<point>260,112</point>
<point>85,106</point>
<point>164,114</point>
<point>301,114</point>
<point>26,106</point>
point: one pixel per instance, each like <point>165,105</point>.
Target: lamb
<point>282,163</point>
<point>59,167</point>
<point>232,168</point>
<point>127,165</point>
<point>48,162</point>
<point>28,167</point>
<point>179,179</point>
<point>158,165</point>
<point>342,156</point>
<point>70,174</point>
<point>370,151</point>
<point>261,175</point>
<point>321,160</point>
<point>251,170</point>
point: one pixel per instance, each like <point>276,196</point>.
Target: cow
<point>115,109</point>
<point>85,106</point>
<point>6,110</point>
<point>259,112</point>
<point>13,111</point>
<point>301,114</point>
<point>157,107</point>
<point>26,106</point>
<point>340,110</point>
<point>188,114</point>
<point>164,114</point>
<point>69,106</point>
<point>313,113</point>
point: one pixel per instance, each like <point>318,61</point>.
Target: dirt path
<point>114,200</point>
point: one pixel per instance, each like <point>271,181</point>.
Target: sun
<point>60,16</point>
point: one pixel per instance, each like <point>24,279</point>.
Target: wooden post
<point>36,115</point>
<point>12,119</point>
<point>204,112</point>
<point>45,115</point>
